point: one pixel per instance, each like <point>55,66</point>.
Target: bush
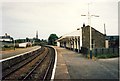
<point>6,46</point>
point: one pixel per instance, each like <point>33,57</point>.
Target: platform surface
<point>10,53</point>
<point>72,65</point>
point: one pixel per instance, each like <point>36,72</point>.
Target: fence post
<point>86,52</point>
<point>95,52</point>
<point>108,51</point>
<point>113,50</point>
<point>102,51</point>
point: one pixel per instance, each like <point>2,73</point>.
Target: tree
<point>52,38</point>
<point>27,39</point>
<point>20,40</point>
<point>36,41</point>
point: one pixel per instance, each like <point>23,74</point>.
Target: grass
<point>102,56</point>
<point>107,55</point>
<point>4,49</point>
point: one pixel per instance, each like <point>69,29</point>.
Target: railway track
<point>36,67</point>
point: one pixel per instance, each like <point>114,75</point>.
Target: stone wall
<point>85,37</point>
<point>98,39</point>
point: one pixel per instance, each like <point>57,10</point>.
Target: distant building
<point>6,38</point>
<point>113,41</point>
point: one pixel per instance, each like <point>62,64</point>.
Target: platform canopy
<point>76,33</point>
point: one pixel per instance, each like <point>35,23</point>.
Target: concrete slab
<point>61,68</point>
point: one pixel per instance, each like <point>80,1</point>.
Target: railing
<point>112,52</point>
<point>106,51</point>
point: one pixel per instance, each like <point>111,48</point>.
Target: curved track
<point>36,67</point>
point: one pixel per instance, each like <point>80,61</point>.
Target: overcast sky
<point>22,18</point>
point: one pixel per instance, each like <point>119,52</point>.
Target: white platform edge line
<point>18,55</point>
<point>54,68</point>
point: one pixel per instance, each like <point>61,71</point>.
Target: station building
<point>80,39</point>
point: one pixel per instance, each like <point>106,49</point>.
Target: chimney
<point>83,24</point>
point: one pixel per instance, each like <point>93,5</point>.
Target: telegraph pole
<point>89,23</point>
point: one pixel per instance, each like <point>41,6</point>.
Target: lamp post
<point>89,23</point>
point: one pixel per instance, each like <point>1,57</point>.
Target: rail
<point>32,65</point>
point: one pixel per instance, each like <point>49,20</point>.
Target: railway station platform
<point>10,53</point>
<point>74,66</point>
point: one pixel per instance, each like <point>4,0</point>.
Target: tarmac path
<point>76,66</point>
